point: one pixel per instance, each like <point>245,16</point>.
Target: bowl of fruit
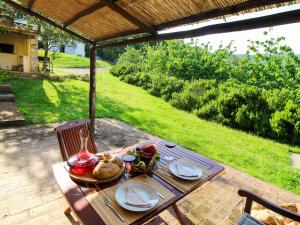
<point>146,156</point>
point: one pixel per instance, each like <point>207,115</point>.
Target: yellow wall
<point>22,48</point>
<point>7,60</point>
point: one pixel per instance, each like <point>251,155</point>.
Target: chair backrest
<point>251,196</point>
<point>69,138</point>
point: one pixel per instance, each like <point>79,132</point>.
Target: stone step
<point>9,115</point>
<point>5,89</point>
<point>12,123</point>
<point>7,97</point>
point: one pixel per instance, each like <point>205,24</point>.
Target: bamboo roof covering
<point>99,20</point>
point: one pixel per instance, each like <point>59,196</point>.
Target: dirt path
<point>80,70</point>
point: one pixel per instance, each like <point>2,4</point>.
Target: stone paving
<point>29,194</point>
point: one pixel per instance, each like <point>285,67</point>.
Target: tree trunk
<point>46,47</point>
<point>62,48</point>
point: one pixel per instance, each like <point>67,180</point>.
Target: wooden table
<point>75,193</point>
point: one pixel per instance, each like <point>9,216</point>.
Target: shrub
<point>129,62</point>
<point>277,98</point>
<point>164,86</point>
<point>239,106</point>
<point>122,70</point>
<point>286,123</point>
<point>195,94</point>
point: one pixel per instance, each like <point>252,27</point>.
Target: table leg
<point>178,214</point>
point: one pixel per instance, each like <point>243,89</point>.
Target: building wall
<point>34,62</point>
<point>77,50</point>
<point>7,60</point>
<point>25,52</point>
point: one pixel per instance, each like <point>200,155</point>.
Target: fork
<point>158,193</point>
<point>107,203</point>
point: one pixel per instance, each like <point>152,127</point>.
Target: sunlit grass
<point>63,60</point>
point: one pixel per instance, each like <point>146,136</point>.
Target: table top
<point>76,193</point>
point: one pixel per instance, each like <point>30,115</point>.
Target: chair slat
<point>69,138</point>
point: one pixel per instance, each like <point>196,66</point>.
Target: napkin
<point>187,171</point>
<point>134,199</point>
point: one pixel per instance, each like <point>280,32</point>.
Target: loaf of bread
<point>103,156</point>
<point>105,170</point>
<point>116,160</point>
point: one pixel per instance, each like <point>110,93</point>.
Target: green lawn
<point>43,101</point>
<point>63,60</point>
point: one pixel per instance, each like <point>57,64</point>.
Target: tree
<point>51,37</point>
<point>14,13</point>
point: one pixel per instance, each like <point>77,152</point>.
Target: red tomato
<point>149,148</point>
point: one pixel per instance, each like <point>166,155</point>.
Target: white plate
<point>144,191</point>
<point>173,169</point>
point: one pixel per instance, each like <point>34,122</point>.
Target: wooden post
<point>92,97</point>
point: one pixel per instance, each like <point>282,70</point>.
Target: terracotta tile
<point>207,221</point>
<point>201,212</point>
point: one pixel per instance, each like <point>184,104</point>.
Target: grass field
<point>43,101</point>
<point>63,60</point>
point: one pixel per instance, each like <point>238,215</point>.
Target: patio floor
<point>29,195</point>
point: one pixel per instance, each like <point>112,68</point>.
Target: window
<point>6,48</point>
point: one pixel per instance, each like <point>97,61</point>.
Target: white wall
<point>78,50</point>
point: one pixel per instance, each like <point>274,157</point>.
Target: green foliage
<point>239,106</point>
<point>286,123</point>
<point>4,30</point>
<point>186,61</point>
<point>258,93</point>
<point>111,54</point>
<point>269,64</point>
<point>129,63</point>
<point>164,86</point>
<point>12,11</point>
<point>195,94</point>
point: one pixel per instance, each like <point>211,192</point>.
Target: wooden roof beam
<point>248,24</point>
<point>129,17</point>
<point>250,4</point>
<point>123,34</point>
<point>83,13</point>
<point>39,16</point>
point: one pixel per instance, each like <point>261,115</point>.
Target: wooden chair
<point>247,219</point>
<point>69,139</point>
